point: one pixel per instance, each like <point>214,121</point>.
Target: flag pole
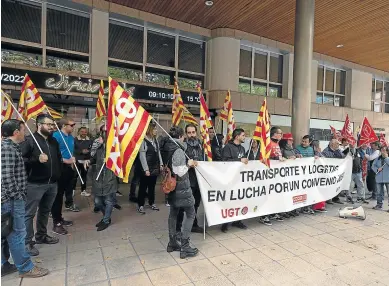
<point>25,124</point>
<point>67,147</point>
<point>98,175</point>
<point>171,138</point>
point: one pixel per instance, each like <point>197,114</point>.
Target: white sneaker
<point>85,194</point>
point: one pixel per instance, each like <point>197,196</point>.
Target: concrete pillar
<point>99,43</point>
<point>302,68</point>
<point>223,55</point>
<point>315,65</point>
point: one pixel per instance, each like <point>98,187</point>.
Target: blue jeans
<point>381,192</point>
<point>105,205</point>
<point>15,242</point>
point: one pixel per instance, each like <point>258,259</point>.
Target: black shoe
<point>133,199</point>
<point>362,201</point>
<point>350,200</point>
<point>173,244</point>
<point>265,220</point>
<point>59,229</point>
<point>96,210</point>
<point>197,229</point>
<point>186,250</point>
<point>31,249</point>
<point>224,227</point>
<point>103,226</point>
<point>101,223</point>
<point>338,201</point>
<point>286,215</point>
<point>73,208</point>
<point>66,222</point>
<point>119,194</point>
<point>8,268</point>
<point>118,207</point>
<point>239,224</point>
<point>47,240</point>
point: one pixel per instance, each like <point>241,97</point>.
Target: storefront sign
<point>66,83</point>
<point>233,191</point>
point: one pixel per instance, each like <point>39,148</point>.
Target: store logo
<point>233,212</point>
<point>299,199</point>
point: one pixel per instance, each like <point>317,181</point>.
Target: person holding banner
<point>217,147</point>
<point>234,151</point>
<point>13,200</point>
<point>333,151</point>
<point>66,181</point>
<point>381,168</point>
<point>372,153</point>
<point>194,152</point>
<point>44,170</point>
<point>181,197</point>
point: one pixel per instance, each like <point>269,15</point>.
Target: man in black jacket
<point>43,171</point>
<point>194,152</point>
<point>82,146</point>
<point>234,151</point>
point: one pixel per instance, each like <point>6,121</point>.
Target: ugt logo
<point>232,212</point>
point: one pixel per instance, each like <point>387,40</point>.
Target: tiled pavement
<point>309,250</point>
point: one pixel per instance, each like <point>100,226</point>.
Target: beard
<point>46,132</point>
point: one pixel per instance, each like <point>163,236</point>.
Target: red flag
<point>335,133</point>
<point>347,131</point>
<point>383,142</point>
<point>367,134</point>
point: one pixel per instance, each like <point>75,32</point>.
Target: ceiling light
<point>339,46</point>
<point>209,3</point>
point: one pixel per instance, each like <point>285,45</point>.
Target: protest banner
<point>234,191</point>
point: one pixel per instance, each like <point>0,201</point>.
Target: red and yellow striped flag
<point>204,132</point>
<point>55,114</point>
<point>127,124</point>
<point>208,118</point>
<point>31,103</point>
<point>6,107</point>
<point>189,118</point>
<point>100,107</point>
<point>262,133</point>
<point>226,107</point>
<point>178,106</point>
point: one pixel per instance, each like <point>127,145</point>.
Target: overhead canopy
<point>361,27</point>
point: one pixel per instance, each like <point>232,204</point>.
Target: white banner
<point>233,191</point>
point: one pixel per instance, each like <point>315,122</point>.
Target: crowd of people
<point>40,170</point>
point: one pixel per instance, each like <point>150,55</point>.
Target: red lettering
<point>230,212</point>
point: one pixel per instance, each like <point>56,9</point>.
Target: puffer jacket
<point>288,152</point>
<point>107,182</point>
<point>383,176</point>
<point>182,196</point>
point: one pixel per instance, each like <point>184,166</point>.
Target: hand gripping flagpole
<point>67,147</point>
<point>156,122</point>
<point>25,124</point>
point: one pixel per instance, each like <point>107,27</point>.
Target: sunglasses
<point>72,125</point>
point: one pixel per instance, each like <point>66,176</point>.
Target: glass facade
<point>260,72</point>
<point>331,86</point>
<point>380,95</point>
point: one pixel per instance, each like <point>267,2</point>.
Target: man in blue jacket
<point>381,168</point>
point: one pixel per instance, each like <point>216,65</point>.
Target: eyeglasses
<point>72,125</point>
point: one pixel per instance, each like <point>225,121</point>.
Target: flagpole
<point>67,147</point>
<point>98,175</point>
<point>156,122</point>
<point>25,124</point>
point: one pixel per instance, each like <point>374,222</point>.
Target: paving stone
<point>295,247</point>
<point>276,273</point>
<point>168,276</point>
<point>235,244</point>
<point>228,263</point>
<point>139,279</point>
<point>276,237</point>
<point>118,251</point>
<point>298,266</point>
<point>124,266</point>
<point>148,246</point>
<point>200,270</point>
<point>157,260</point>
<point>214,281</point>
<point>83,245</point>
<point>247,277</point>
<point>86,274</point>
<point>52,262</point>
<point>253,257</point>
<point>319,260</point>
<point>275,252</point>
<point>85,257</point>
<point>54,278</point>
<point>212,249</point>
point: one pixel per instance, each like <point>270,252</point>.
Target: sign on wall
<point>67,83</point>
